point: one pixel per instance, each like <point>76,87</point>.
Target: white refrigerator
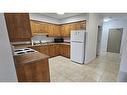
<point>78,39</point>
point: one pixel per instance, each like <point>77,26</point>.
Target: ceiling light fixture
<point>60,13</point>
<point>107,19</point>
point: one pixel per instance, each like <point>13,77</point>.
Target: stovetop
<point>23,51</point>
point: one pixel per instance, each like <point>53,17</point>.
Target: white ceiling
<point>67,15</point>
<point>60,16</point>
<point>114,15</point>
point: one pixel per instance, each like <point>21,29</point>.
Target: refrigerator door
<point>78,35</point>
<point>77,52</point>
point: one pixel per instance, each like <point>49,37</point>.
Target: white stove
<point>23,51</point>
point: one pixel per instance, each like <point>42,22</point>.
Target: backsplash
<point>66,39</point>
<point>42,38</point>
<point>47,39</point>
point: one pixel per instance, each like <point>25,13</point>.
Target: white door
<point>77,52</point>
<point>78,35</point>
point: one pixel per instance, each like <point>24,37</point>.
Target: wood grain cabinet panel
<point>34,72</point>
<point>38,27</point>
<point>55,30</point>
<point>54,50</point>
<point>57,49</point>
<point>44,49</point>
<point>18,26</point>
<point>65,50</point>
<point>66,28</point>
<point>44,27</point>
<point>51,50</point>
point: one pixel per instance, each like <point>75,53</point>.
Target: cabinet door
<point>44,49</point>
<point>62,50</point>
<point>66,28</point>
<point>51,30</point>
<point>39,27</point>
<point>57,49</point>
<point>51,50</point>
<point>65,50</point>
<point>18,26</point>
<point>33,28</point>
<point>10,25</point>
<point>68,51</point>
<point>56,31</point>
<point>62,30</point>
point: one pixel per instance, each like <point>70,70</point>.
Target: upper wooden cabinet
<point>43,27</point>
<point>54,29</point>
<point>66,28</point>
<point>18,26</point>
<point>38,27</point>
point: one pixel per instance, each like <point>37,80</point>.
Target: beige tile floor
<point>103,69</point>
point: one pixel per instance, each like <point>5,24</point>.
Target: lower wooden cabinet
<point>44,49</point>
<point>53,50</point>
<point>57,49</point>
<point>34,72</point>
<point>65,50</point>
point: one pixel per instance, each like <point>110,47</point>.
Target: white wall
<point>7,68</point>
<point>91,41</point>
<point>111,24</point>
<point>123,65</point>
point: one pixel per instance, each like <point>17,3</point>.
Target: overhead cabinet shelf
<point>64,30</point>
<point>38,27</point>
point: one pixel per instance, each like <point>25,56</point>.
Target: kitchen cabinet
<point>35,72</point>
<point>38,27</point>
<point>50,29</point>
<point>57,49</point>
<point>18,26</point>
<point>51,50</point>
<point>66,28</point>
<point>54,30</point>
<point>44,49</point>
<point>65,50</point>
<point>54,50</point>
